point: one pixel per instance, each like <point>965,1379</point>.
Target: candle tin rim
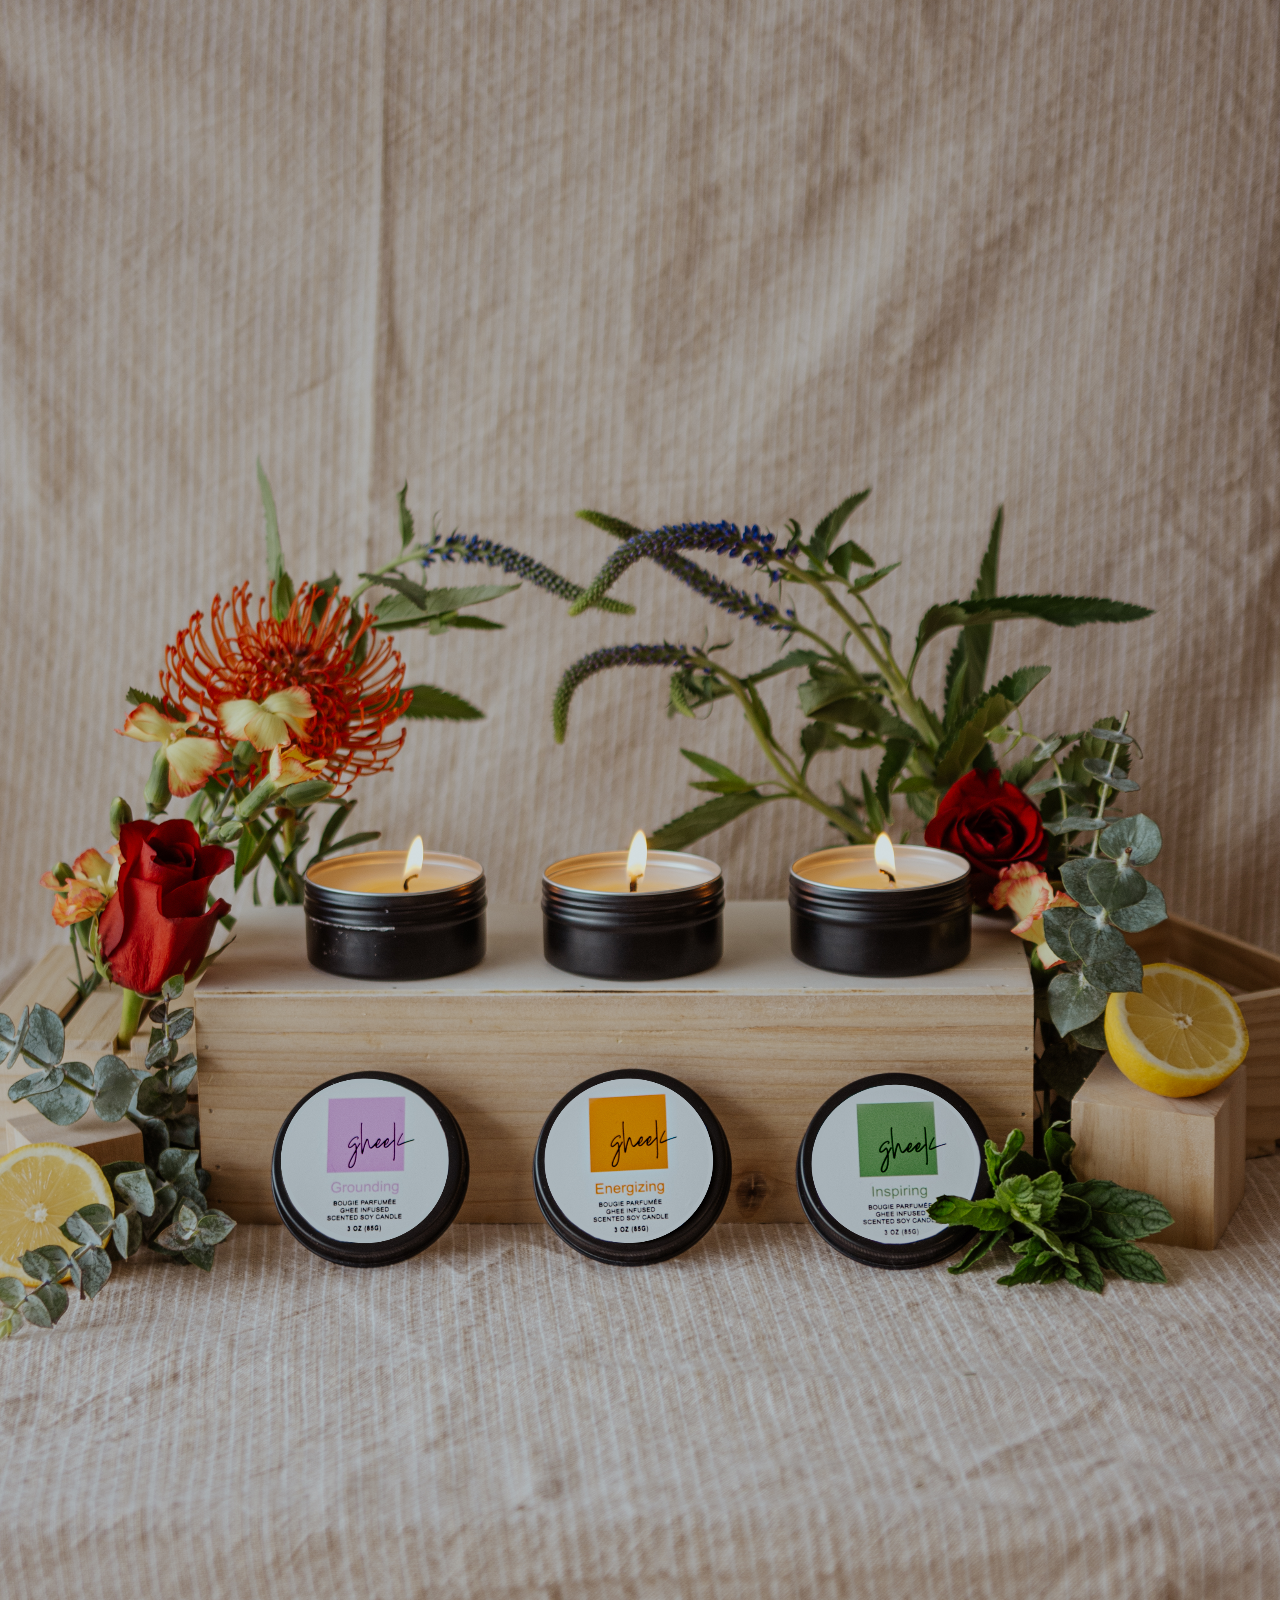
<point>619,858</point>
<point>670,1244</point>
<point>863,853</point>
<point>383,1253</point>
<point>874,1252</point>
<point>391,857</point>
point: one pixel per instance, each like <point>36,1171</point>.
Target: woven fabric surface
<point>761,1417</point>
<point>676,262</point>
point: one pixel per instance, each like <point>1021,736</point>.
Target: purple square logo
<point>367,1135</point>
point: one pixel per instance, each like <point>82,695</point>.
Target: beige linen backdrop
<point>674,261</point>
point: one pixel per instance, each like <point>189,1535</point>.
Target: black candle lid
<point>369,1169</point>
<point>875,1157</point>
<point>631,1168</point>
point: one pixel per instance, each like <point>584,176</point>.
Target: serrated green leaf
<point>828,530</point>
<point>406,517</point>
<point>963,743</point>
<point>475,624</point>
<point>1133,1262</point>
<point>1058,1145</point>
<point>705,819</point>
<point>981,1247</point>
<point>897,752</point>
<point>1065,611</point>
<point>282,593</point>
<point>959,1213</point>
<point>1088,1274</point>
<point>869,579</point>
<point>439,705</point>
<point>1119,1213</point>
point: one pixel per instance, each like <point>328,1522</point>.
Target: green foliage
<point>160,1201</point>
<point>1058,1228</point>
<point>853,692</point>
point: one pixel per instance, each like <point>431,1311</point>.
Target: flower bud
<point>255,800</point>
<point>121,812</point>
<point>156,792</point>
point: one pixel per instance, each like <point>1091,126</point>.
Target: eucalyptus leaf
<point>79,1074</point>
<point>1113,885</point>
<point>163,1050</point>
<point>1118,973</point>
<point>1075,822</point>
<point>1106,772</point>
<point>172,989</point>
<point>199,1255</point>
<point>95,1269</point>
<point>214,1226</point>
<point>126,1234</point>
<point>36,1312</point>
<point>1059,924</point>
<point>46,1078</point>
<point>1110,735</point>
<point>1093,1035</point>
<point>80,1230</point>
<point>1095,941</point>
<point>1138,835</point>
<point>1075,879</point>
<point>1073,1001</point>
<point>45,1037</point>
<point>135,1189</point>
<point>176,1166</point>
<point>1149,911</point>
<point>12,1293</point>
<point>61,1106</point>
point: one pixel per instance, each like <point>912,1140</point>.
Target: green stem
<point>1105,792</point>
<point>131,1003</point>
<point>415,554</point>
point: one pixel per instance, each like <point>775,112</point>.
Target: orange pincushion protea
<point>352,701</point>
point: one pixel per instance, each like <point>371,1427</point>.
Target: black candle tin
<point>633,938</point>
<point>876,1156</point>
<point>877,933</point>
<point>369,1169</point>
<point>632,1168</point>
<point>395,937</point>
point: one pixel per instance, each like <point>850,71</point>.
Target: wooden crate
<point>1253,977</point>
<point>762,1038</point>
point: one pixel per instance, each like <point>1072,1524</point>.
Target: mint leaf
<point>1121,1213</point>
<point>1133,1262</point>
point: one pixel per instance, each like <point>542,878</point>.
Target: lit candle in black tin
<point>378,914</point>
<point>880,912</point>
<point>633,916</point>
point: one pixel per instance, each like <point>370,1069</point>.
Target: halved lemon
<point>1182,1035</point>
<point>40,1186</point>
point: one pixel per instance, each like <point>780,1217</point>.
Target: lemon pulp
<point>40,1186</point>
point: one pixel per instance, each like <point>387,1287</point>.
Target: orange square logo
<point>628,1133</point>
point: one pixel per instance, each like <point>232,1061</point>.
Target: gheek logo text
<point>897,1140</point>
<point>628,1132</point>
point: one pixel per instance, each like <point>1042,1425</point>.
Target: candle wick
<point>890,876</point>
<point>634,884</point>
<point>408,881</point>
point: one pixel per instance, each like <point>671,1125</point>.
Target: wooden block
<point>764,1039</point>
<point>104,1141</point>
<point>1188,1153</point>
<point>1262,1018</point>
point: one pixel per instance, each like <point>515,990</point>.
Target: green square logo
<point>897,1140</point>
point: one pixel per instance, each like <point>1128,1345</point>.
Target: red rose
<point>157,924</point>
<point>991,824</point>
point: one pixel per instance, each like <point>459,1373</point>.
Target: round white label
<point>628,1160</point>
<point>364,1160</point>
<point>885,1154</point>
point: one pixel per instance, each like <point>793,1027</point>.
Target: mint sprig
<point>1057,1227</point>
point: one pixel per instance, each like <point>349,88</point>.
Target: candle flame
<point>637,858</point>
<point>413,861</point>
<point>884,857</point>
